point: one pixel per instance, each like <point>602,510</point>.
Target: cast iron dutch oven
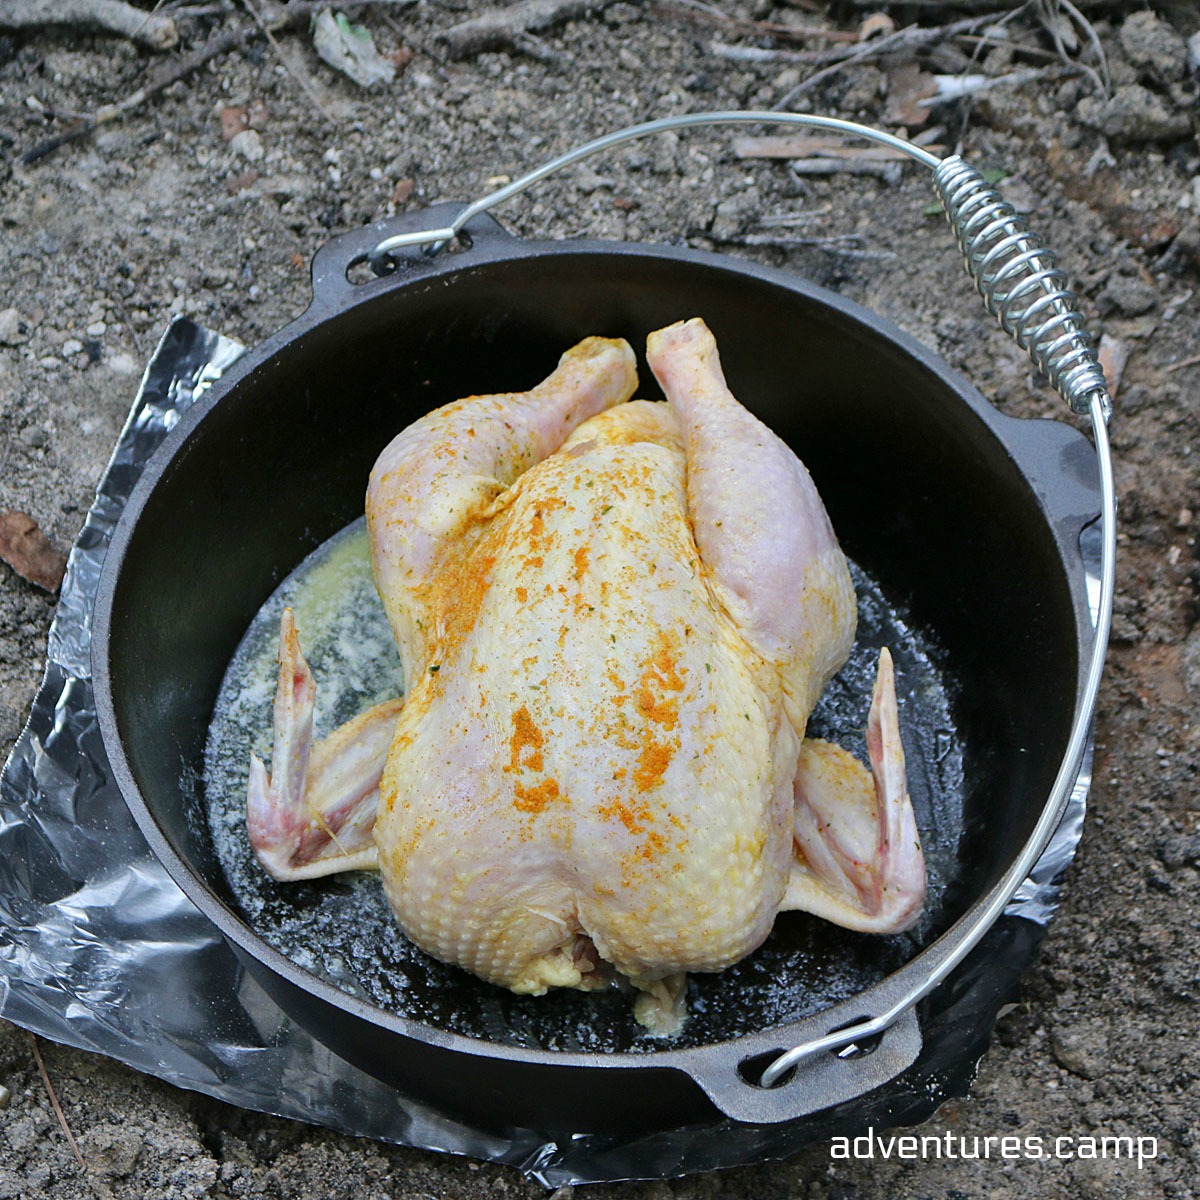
<point>969,521</point>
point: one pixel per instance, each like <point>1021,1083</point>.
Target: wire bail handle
<point>1018,277</point>
<point>1023,287</point>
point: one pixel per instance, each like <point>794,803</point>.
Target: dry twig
<point>153,30</point>
<point>987,40</point>
<point>890,172</point>
<point>1194,361</point>
<point>1048,9</point>
<point>276,19</point>
<point>62,1119</point>
<point>842,245</point>
<point>904,41</point>
<point>218,44</point>
<point>504,27</point>
<point>694,10</point>
<point>961,87</point>
<point>987,6</point>
<point>763,54</point>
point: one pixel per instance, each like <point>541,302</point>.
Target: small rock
<point>863,87</point>
<point>1159,880</point>
<point>730,217</point>
<point>1128,295</point>
<point>1193,52</point>
<point>1187,241</point>
<point>10,328</point>
<point>788,78</point>
<point>1134,114</point>
<point>241,181</point>
<point>71,346</point>
<point>112,1150</point>
<point>121,364</point>
<point>1180,851</point>
<point>1019,193</point>
<point>1154,47</point>
<point>1016,1025</point>
<point>1069,93</point>
<point>97,329</point>
<point>1180,977</point>
<point>25,1133</point>
<point>621,14</point>
<point>589,181</point>
<point>1082,1050</point>
<point>1102,1179</point>
<point>248,144</point>
<point>1190,662</point>
<point>1135,398</point>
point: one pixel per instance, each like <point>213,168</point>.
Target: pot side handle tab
<point>730,1074</point>
<point>345,267</point>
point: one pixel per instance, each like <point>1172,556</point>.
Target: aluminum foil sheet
<point>100,950</point>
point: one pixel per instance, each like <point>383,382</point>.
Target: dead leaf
<point>1113,355</point>
<point>908,85</point>
<point>28,551</point>
<point>234,119</point>
<point>876,25</point>
<point>237,118</point>
<point>624,205</point>
<point>239,183</point>
<point>403,190</point>
<point>351,49</point>
<point>1104,191</point>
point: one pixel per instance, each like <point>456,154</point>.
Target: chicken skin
<point>615,617</point>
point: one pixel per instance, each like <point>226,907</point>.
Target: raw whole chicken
<point>615,617</point>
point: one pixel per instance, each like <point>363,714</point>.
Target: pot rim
<point>334,295</point>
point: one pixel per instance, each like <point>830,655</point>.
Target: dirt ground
<point>209,198</point>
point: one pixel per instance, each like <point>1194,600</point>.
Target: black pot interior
<point>922,491</point>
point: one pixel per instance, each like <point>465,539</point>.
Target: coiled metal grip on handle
<point>1021,284</point>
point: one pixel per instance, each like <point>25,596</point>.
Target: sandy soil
<point>105,239</point>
